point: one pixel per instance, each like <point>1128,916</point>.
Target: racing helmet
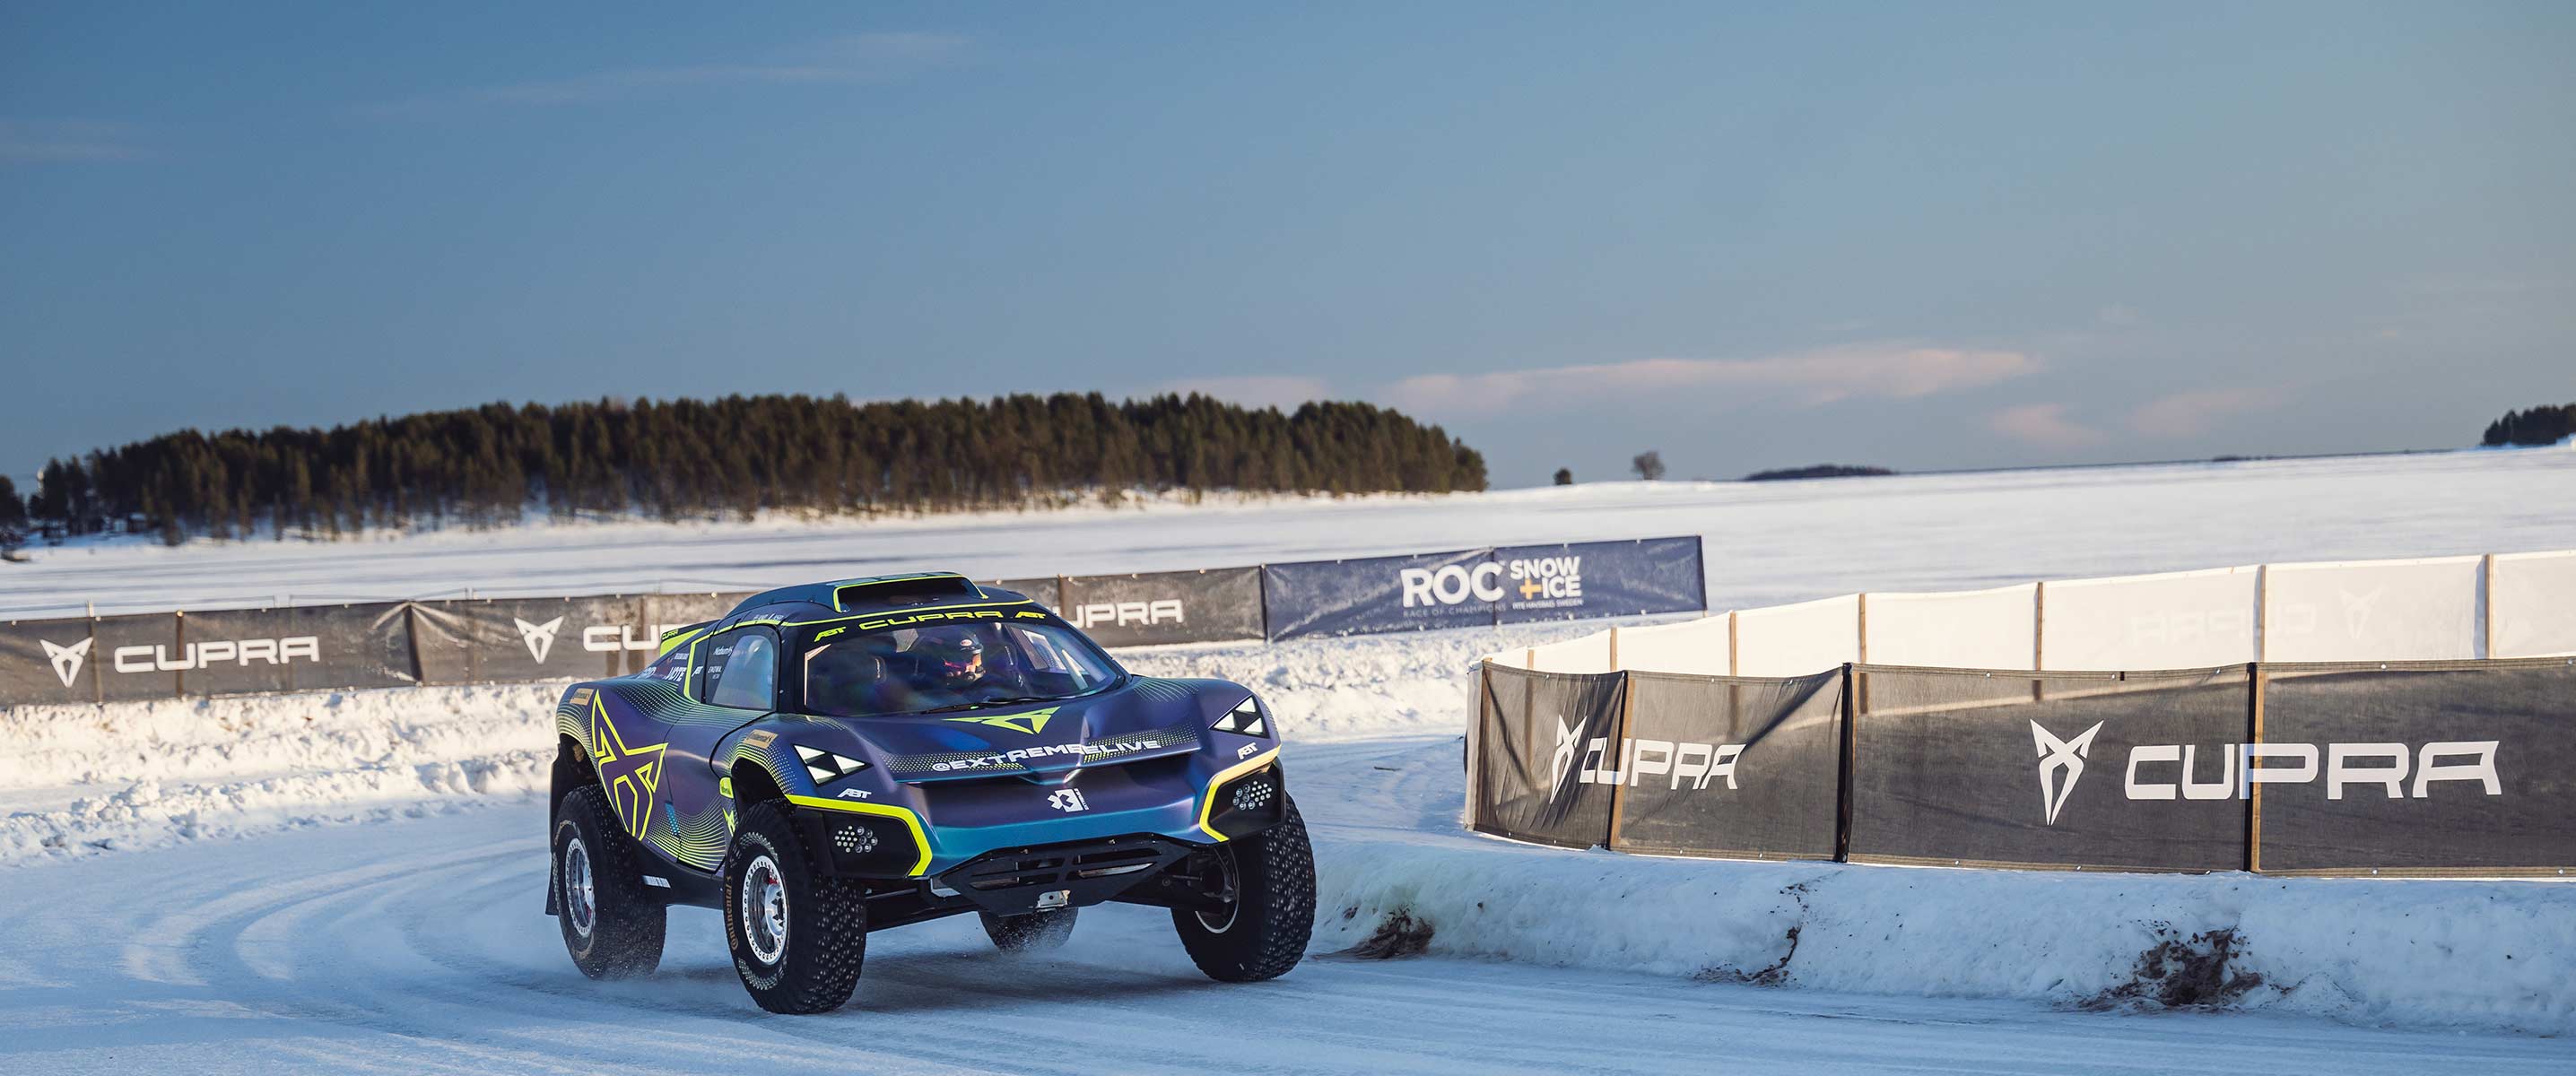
<point>952,656</point>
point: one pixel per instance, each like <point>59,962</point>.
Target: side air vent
<point>906,590</point>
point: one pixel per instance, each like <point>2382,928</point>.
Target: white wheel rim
<point>764,910</point>
<point>581,898</point>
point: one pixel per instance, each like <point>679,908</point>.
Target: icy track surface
<point>355,883</point>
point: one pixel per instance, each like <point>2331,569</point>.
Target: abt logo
<point>1122,614</point>
<point>1533,579</point>
<point>2172,771</point>
<point>1676,761</point>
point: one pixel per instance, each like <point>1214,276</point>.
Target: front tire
<point>798,936</point>
<point>612,925</point>
<point>1036,932</point>
<point>1263,933</point>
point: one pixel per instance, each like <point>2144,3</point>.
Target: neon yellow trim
<point>678,638</point>
<point>1207,806</point>
<point>911,821</point>
<point>904,612</point>
<point>1030,723</point>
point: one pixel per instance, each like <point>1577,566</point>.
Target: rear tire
<point>612,924</point>
<point>1264,932</point>
<point>1036,932</point>
<point>798,936</point>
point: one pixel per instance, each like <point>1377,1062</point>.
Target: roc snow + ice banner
<point>1476,587</point>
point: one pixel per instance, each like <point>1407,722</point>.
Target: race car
<point>838,758</point>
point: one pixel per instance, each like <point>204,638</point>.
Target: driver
<point>949,657</point>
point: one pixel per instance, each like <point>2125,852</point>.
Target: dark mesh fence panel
<point>47,661</point>
<point>1549,755</point>
<point>246,651</point>
<point>1042,589</point>
<point>138,657</point>
<point>516,640</point>
<point>2060,769</point>
<point>1165,607</point>
<point>1731,767</point>
<point>2465,767</point>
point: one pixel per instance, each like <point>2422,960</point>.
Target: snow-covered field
<point>354,881</point>
<point>1767,543</point>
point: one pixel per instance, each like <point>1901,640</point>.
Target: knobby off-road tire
<point>612,924</point>
<point>1265,932</point>
<point>798,936</point>
<point>1036,932</point>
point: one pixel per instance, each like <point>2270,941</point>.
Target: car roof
<point>871,594</point>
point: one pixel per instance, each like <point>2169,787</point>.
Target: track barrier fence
<point>2386,718</point>
<point>162,655</point>
<point>2397,768</point>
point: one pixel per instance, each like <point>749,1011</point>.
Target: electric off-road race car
<point>837,758</point>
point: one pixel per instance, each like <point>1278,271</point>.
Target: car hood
<point>1141,719</point>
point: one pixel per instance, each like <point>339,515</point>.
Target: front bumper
<point>1018,881</point>
<point>869,840</point>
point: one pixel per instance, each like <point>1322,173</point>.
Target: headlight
<point>1245,719</point>
<point>1248,804</point>
<point>825,767</point>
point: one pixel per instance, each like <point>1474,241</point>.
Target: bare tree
<point>1649,465</point>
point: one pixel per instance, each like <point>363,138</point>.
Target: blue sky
<point>1916,236</point>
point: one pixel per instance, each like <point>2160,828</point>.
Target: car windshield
<point>949,668</point>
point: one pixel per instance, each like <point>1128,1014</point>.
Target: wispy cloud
<point>2190,414</point>
<point>2045,425</point>
<point>1886,370</point>
<point>1281,391</point>
<point>2180,415</point>
<point>68,142</point>
<point>877,57</point>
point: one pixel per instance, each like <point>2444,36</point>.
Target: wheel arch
<point>572,768</point>
<point>753,783</point>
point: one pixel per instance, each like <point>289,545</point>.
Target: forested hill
<point>738,455</point>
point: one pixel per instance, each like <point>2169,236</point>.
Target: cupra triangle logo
<point>539,637</point>
<point>67,659</point>
<point>2056,756</point>
<point>1029,722</point>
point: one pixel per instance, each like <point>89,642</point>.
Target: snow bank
<point>2482,954</point>
<point>77,780</point>
<point>81,779</point>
